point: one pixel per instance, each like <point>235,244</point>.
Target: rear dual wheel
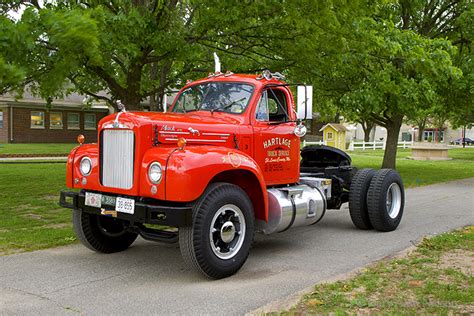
<point>386,200</point>
<point>376,199</point>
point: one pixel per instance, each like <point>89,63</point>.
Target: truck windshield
<point>215,97</point>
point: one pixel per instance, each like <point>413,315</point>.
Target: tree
<point>453,20</point>
<point>133,50</point>
<point>381,66</point>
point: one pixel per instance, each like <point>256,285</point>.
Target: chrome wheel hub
<point>394,200</point>
<point>227,231</point>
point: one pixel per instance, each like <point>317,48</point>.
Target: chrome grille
<point>117,152</point>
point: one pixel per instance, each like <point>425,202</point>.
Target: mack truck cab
<point>225,162</point>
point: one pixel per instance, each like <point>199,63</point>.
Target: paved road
<point>151,278</point>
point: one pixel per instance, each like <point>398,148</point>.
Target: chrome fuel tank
<point>294,206</point>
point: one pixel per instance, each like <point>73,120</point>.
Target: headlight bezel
<point>150,169</point>
<point>85,174</point>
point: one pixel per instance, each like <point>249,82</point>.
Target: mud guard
<point>329,162</point>
<point>189,172</point>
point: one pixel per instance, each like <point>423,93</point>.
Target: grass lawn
<point>30,217</point>
<point>435,279</point>
<point>36,148</point>
<point>416,173</point>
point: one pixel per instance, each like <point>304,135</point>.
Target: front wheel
<point>101,233</point>
<point>386,200</point>
<point>218,242</point>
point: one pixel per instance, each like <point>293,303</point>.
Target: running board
<point>156,235</point>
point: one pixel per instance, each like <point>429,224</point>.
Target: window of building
<point>37,119</point>
<point>73,121</point>
<point>1,118</point>
<point>89,121</point>
<point>330,135</point>
<point>406,136</point>
<point>433,135</point>
<point>56,120</point>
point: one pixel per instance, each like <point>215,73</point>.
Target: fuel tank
<point>294,206</point>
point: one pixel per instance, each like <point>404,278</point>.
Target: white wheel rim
<point>394,200</point>
<point>227,231</point>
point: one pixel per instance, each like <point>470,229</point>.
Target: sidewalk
<point>32,159</point>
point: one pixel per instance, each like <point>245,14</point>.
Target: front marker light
<point>155,172</point>
<point>85,166</point>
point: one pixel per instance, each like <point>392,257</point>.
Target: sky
<point>16,15</point>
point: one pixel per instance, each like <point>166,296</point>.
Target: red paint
<point>219,145</point>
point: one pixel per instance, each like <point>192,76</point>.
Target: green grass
<point>416,173</point>
<point>36,148</point>
<point>30,217</point>
<point>434,280</point>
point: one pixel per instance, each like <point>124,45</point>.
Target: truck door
<point>276,147</point>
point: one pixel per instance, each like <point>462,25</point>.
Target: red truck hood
<point>196,127</point>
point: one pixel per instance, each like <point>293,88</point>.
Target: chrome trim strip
<point>171,132</point>
<point>199,140</point>
<point>215,134</point>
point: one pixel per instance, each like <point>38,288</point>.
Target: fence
<point>361,145</point>
<point>377,145</point>
<point>319,142</point>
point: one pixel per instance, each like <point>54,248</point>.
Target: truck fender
<point>189,171</point>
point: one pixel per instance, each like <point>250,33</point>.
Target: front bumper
<point>145,213</point>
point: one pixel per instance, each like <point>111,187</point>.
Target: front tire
<point>101,233</point>
<point>219,240</point>
<point>386,200</point>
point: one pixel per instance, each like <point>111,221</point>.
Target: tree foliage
<point>389,61</point>
<point>132,50</point>
<point>377,61</point>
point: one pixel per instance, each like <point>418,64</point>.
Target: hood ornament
<point>122,109</point>
<point>120,106</point>
<point>194,131</point>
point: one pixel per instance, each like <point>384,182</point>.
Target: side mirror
<point>304,102</point>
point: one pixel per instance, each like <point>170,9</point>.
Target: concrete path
<point>33,159</point>
<point>151,278</point>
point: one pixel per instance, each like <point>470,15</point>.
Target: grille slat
<point>117,158</point>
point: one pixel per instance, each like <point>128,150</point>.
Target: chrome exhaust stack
<point>299,205</point>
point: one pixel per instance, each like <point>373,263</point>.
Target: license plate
<point>125,205</point>
<point>93,199</point>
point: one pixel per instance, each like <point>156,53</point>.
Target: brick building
<point>29,120</point>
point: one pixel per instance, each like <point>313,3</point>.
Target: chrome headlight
<point>85,166</point>
<point>155,172</point>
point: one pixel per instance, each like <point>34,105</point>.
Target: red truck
<point>223,163</point>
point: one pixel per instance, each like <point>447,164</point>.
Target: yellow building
<point>334,135</point>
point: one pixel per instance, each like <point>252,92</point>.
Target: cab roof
<point>256,80</point>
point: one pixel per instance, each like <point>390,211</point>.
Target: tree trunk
<point>132,102</point>
<point>367,126</point>
<point>421,129</point>
<point>391,145</point>
<point>420,133</point>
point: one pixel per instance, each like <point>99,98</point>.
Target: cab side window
<point>277,105</point>
<point>262,108</point>
<point>272,107</point>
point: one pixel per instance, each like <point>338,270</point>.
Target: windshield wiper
<point>227,106</point>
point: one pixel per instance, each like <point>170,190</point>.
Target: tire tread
<point>358,198</point>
